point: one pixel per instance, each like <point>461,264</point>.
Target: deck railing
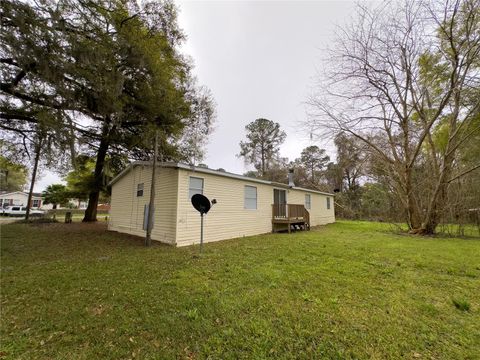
<point>289,211</point>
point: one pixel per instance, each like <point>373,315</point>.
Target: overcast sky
<point>259,60</point>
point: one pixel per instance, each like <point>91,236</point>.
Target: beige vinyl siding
<point>177,222</point>
<point>121,204</point>
<point>126,213</point>
<point>228,218</point>
<point>319,215</point>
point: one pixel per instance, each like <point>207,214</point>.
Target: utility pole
<point>151,204</point>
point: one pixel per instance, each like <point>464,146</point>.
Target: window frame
<point>35,201</point>
<point>190,188</point>
<point>250,198</point>
<point>328,203</point>
<point>140,191</point>
<point>309,202</point>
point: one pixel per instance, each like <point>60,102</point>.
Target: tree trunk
<point>91,210</point>
<point>437,202</point>
<point>413,218</point>
<point>436,205</point>
<point>263,162</point>
<point>34,175</point>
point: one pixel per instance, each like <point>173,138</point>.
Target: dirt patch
<point>7,220</point>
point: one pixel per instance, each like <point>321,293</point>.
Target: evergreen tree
<point>314,160</point>
<point>262,147</point>
<point>56,194</point>
<point>116,63</point>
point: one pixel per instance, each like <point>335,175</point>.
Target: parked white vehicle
<point>20,211</point>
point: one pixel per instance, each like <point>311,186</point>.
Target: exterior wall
<point>228,218</point>
<point>127,210</point>
<point>319,214</point>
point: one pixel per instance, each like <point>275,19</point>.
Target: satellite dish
<point>201,203</point>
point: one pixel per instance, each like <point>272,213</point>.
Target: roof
<point>5,193</point>
<point>212,172</point>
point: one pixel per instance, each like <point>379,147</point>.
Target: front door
<point>279,202</point>
<point>279,197</point>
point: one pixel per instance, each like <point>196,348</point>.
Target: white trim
<point>195,189</point>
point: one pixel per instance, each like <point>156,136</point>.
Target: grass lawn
<point>347,290</point>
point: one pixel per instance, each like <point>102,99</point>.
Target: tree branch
<point>464,173</point>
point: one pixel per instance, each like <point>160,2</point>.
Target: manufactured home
<point>20,198</point>
<point>245,206</point>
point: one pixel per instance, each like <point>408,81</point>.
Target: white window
<point>308,201</point>
<point>328,203</point>
<point>195,187</point>
<point>139,190</point>
<point>250,197</point>
<point>36,203</point>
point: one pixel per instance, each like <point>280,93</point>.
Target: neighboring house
<point>245,206</point>
<point>73,204</point>
<point>20,198</point>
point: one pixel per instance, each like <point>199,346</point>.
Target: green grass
<point>347,290</point>
<point>79,218</point>
<point>77,214</point>
<point>461,304</point>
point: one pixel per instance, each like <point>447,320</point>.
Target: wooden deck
<point>295,216</point>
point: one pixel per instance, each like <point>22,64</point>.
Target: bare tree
<point>400,78</point>
<point>351,159</point>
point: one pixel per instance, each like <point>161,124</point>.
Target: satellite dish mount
<point>202,205</point>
